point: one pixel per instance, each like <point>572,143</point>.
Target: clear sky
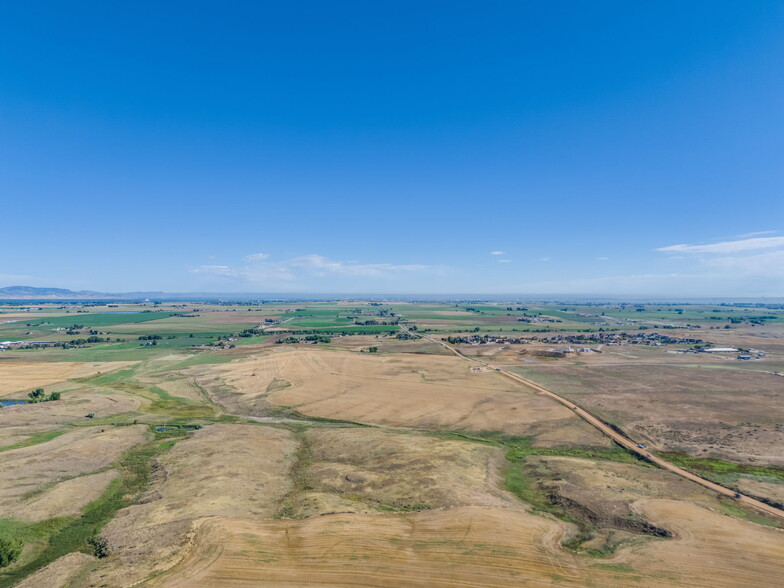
<point>394,147</point>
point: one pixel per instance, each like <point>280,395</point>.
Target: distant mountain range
<point>43,294</point>
<point>33,293</point>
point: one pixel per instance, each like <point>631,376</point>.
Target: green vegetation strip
<point>35,440</point>
<point>520,447</point>
<point>72,534</point>
<point>706,466</point>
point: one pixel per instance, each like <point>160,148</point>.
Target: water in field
<point>12,402</point>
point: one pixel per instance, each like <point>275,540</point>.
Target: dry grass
<point>30,470</point>
<point>66,498</point>
<point>20,376</point>
<point>222,470</point>
<point>20,422</point>
<point>59,573</point>
<point>370,469</point>
<point>734,414</point>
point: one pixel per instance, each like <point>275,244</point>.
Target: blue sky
<point>408,147</point>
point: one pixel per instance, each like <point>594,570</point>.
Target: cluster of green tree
<point>407,336</point>
<point>90,339</point>
<point>150,337</point>
<point>306,339</point>
<point>250,333</point>
<point>38,395</point>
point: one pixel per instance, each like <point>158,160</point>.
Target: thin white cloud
<point>307,266</point>
<point>602,258</point>
<point>727,246</point>
<point>256,257</point>
<point>754,234</point>
<point>545,259</point>
<point>504,260</point>
<point>497,253</point>
<point>753,265</point>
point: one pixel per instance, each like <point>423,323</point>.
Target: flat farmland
<point>396,389</point>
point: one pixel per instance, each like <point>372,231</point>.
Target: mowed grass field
<point>214,459</point>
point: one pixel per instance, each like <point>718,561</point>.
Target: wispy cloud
<point>258,269</point>
<point>256,257</point>
<point>602,258</point>
<point>755,234</point>
<point>497,253</point>
<point>727,246</point>
<point>504,261</point>
<point>759,261</point>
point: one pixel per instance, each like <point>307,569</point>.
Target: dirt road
<point>618,437</point>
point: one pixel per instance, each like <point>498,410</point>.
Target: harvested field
<point>468,546</point>
<point>399,390</point>
<point>17,376</point>
<point>473,546</point>
<point>710,549</point>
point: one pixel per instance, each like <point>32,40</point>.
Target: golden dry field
<point>24,376</point>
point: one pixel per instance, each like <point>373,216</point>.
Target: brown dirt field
<point>400,390</point>
<point>401,471</point>
<point>59,573</point>
<point>66,498</point>
<point>31,469</point>
<point>21,421</point>
<point>222,470</point>
<point>734,414</point>
<point>18,376</point>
